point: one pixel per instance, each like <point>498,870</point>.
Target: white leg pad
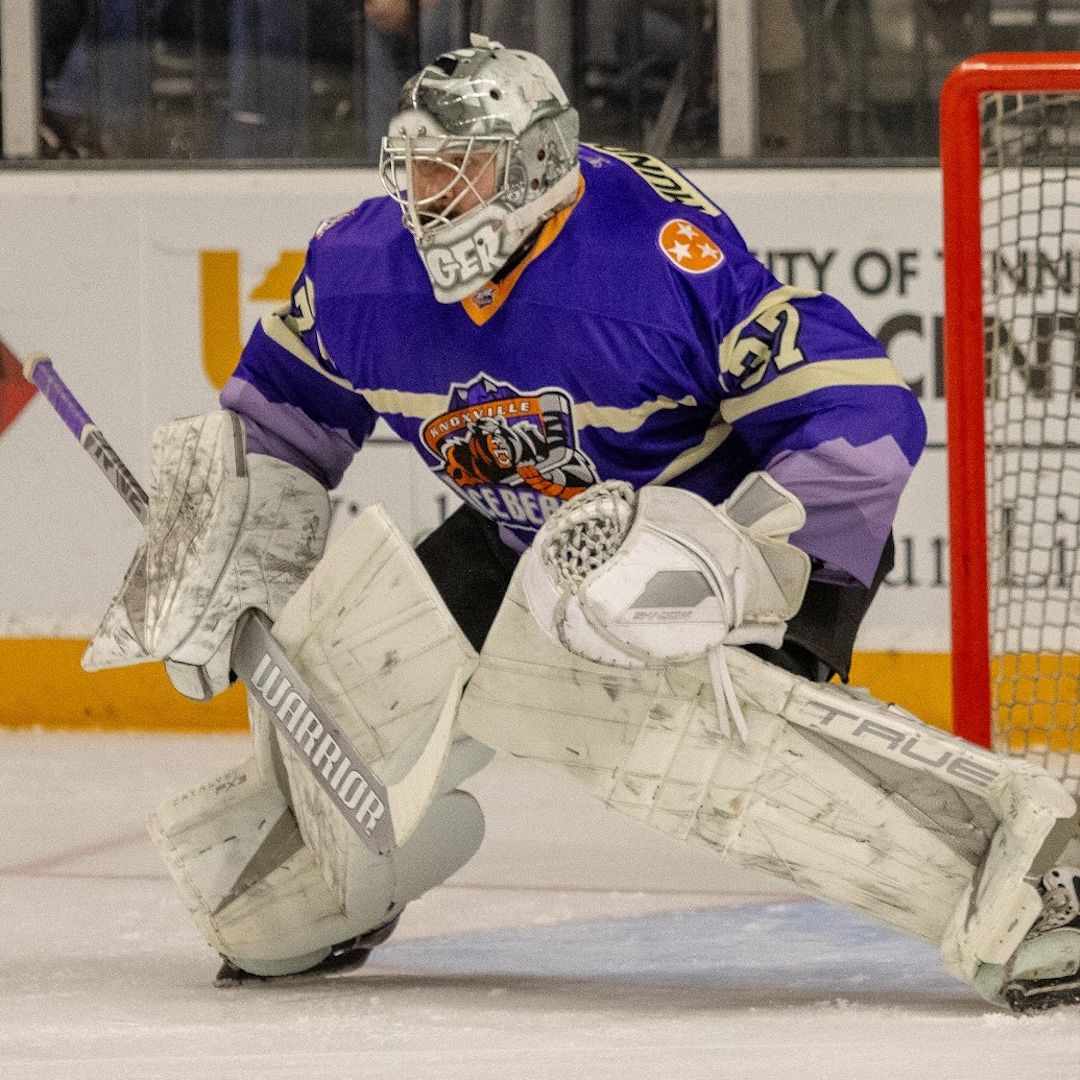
<point>257,892</point>
<point>270,869</point>
<point>847,798</point>
<point>998,905</point>
<point>379,649</point>
<point>233,848</point>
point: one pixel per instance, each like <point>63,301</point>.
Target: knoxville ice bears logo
<point>512,455</point>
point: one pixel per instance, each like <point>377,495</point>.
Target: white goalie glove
<point>638,579</point>
<point>225,532</point>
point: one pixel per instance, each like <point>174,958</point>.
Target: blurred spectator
<point>910,48</point>
<point>781,50</point>
<point>279,78</point>
<point>388,55</point>
<point>61,21</point>
<point>542,26</point>
<point>93,105</point>
<point>856,78</point>
<point>636,51</point>
<point>268,81</point>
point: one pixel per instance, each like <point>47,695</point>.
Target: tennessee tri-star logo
<point>688,247</point>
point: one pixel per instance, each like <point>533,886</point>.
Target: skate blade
<point>343,958</point>
<point>1031,997</point>
<point>229,976</point>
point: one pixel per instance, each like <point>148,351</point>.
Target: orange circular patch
<point>688,247</point>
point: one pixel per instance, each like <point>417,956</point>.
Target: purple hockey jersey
<point>639,340</point>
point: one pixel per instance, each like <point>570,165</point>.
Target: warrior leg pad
<point>257,891</point>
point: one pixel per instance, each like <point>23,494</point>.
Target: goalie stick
<point>382,815</point>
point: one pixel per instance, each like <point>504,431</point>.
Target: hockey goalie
<point>678,479</point>
<point>616,656</point>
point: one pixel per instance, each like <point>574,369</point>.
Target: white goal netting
<point>1031,304</point>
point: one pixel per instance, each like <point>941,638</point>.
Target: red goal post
<point>982,98</point>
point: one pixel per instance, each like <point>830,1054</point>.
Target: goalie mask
<point>483,150</point>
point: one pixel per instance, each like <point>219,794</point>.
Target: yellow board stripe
<point>1037,699</point>
<point>42,685</point>
<point>918,682</point>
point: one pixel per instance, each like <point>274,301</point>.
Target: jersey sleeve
<point>822,409</point>
<point>293,402</point>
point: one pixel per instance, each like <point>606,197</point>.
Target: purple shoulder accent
<point>512,541</point>
<point>285,431</point>
<point>850,494</point>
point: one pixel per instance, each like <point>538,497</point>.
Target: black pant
<point>471,567</point>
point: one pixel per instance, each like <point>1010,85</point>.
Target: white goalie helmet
<point>483,150</point>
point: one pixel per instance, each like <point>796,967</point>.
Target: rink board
<point>142,285</point>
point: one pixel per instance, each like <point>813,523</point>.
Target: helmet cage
<point>463,158</point>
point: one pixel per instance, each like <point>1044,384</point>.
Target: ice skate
<point>346,956</point>
<point>1046,969</point>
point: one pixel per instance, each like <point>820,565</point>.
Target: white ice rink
<point>576,944</point>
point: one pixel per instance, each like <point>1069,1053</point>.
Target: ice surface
<point>576,944</point>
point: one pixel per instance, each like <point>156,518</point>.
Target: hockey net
<point>1011,171</point>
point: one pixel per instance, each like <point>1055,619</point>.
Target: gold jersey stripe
<point>419,406</point>
<point>587,414</point>
<point>425,406</point>
<point>277,330</point>
<point>878,371</point>
<point>406,403</point>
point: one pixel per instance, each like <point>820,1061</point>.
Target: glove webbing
<point>587,534</point>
